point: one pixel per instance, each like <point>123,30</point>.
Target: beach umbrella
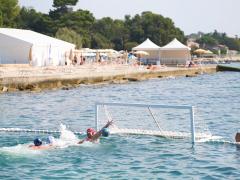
<point>200,51</point>
<point>144,53</point>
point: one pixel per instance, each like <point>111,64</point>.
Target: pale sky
<point>190,16</point>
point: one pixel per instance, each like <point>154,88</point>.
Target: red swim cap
<point>91,131</point>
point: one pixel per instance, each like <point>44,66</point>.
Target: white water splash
<point>217,139</point>
<point>19,150</point>
<point>67,138</point>
<point>211,139</point>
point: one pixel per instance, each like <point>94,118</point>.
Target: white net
<point>158,120</point>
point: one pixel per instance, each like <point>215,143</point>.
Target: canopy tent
<point>24,46</point>
<point>175,53</point>
<point>152,50</point>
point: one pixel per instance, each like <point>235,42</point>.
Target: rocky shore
<point>27,78</point>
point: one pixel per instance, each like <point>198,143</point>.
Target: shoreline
<point>27,78</point>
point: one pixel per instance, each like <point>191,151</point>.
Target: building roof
<point>175,45</point>
<point>147,45</point>
<point>33,37</point>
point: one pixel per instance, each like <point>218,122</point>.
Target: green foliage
<point>223,51</point>
<point>154,26</point>
<point>64,3</point>
<point>36,21</point>
<point>80,21</point>
<point>113,30</point>
<point>100,42</point>
<point>130,45</point>
<point>207,39</point>
<point>61,8</point>
<point>69,36</point>
<point>9,10</point>
<point>215,38</point>
<point>1,19</point>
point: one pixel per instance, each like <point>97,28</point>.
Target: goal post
<point>170,121</point>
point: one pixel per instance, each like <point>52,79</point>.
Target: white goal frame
<point>190,108</point>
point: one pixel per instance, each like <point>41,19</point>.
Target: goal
<point>170,121</point>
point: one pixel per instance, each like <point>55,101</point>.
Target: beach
<point>26,77</point>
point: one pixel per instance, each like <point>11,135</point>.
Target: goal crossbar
<point>159,132</point>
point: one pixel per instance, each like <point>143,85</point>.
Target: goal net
<point>158,120</point>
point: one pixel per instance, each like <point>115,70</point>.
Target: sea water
<point>217,96</point>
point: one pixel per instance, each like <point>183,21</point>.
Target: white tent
<point>175,53</point>
<point>24,46</point>
<point>152,50</point>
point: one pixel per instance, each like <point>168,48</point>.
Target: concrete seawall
<point>37,79</point>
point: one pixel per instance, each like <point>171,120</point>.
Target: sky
<point>191,16</point>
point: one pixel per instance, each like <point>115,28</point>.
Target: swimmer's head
<point>50,140</point>
<point>37,142</point>
<point>90,132</point>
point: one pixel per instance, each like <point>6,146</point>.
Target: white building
<point>19,46</point>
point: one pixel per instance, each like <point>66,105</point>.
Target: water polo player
<point>38,144</point>
<point>93,136</point>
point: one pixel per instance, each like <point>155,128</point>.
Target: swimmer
<point>93,136</point>
<point>38,145</point>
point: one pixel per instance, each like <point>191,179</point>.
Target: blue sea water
<point>123,157</point>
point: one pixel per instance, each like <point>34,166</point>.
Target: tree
<point>210,40</point>
<point>207,40</point>
<point>129,45</point>
<point>9,10</point>
<point>100,42</point>
<point>62,7</point>
<point>64,3</point>
<point>113,30</point>
<point>69,36</point>
<point>1,19</point>
<point>81,22</point>
<point>154,26</point>
<point>36,21</point>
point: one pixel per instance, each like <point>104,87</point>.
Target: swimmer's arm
<point>99,133</point>
<point>80,142</point>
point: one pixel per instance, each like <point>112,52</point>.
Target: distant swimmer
<point>93,136</point>
<point>237,137</point>
<point>38,144</point>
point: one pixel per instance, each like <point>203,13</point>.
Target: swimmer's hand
<point>80,142</point>
<point>108,124</point>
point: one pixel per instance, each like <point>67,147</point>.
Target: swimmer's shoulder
<point>43,147</point>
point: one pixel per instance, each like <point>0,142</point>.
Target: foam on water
<point>66,139</point>
<point>212,139</point>
<point>19,150</point>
